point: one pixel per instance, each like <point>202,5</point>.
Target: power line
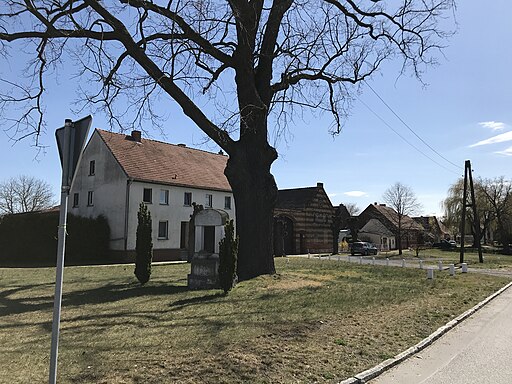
<point>409,128</point>
<point>403,138</point>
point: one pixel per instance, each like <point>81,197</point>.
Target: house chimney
<point>319,185</point>
<point>375,203</point>
<point>182,145</point>
<point>382,205</point>
<point>221,152</point>
<point>137,136</point>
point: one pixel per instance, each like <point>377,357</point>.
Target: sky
<point>463,113</point>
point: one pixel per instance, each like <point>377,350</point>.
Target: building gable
<point>388,217</point>
<point>162,163</point>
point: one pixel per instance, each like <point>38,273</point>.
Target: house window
<point>75,199</point>
<point>164,197</point>
<point>227,202</point>
<point>92,167</point>
<point>147,195</point>
<point>184,234</point>
<point>187,199</point>
<point>208,200</point>
<point>163,229</point>
<point>90,198</point>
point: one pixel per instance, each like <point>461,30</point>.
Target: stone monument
<point>209,230</point>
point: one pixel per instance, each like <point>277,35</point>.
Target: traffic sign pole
<point>70,141</point>
<point>61,246</point>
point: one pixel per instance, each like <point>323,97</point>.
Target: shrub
<point>228,252</point>
<point>144,245</point>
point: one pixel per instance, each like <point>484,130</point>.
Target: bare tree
<point>403,200</point>
<point>25,194</point>
<point>352,209</point>
<point>265,59</point>
<point>498,193</point>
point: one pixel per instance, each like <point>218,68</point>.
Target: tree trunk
<point>399,235</point>
<point>255,193</point>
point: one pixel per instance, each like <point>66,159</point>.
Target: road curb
<point>372,373</point>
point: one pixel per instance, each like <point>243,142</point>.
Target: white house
<point>117,172</point>
<point>377,233</point>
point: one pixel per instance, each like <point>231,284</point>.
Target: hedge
<point>30,239</point>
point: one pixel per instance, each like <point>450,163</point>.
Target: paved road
<point>477,351</point>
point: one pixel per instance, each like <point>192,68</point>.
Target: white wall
<point>174,213</point>
<point>108,185</point>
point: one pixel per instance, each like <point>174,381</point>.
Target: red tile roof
<point>162,163</point>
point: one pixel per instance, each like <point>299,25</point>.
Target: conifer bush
<point>228,253</point>
<point>144,245</point>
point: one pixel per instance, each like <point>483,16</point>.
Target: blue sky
<point>465,112</point>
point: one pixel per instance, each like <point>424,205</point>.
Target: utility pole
<point>469,177</point>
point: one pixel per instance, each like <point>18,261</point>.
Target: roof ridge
<point>163,142</point>
<point>296,189</point>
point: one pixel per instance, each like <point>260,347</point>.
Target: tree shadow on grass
<point>24,300</point>
<point>180,304</point>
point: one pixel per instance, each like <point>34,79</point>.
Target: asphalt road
<point>477,351</point>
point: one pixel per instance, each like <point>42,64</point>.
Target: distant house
<point>435,231</point>
<point>380,222</point>
<point>303,219</point>
<point>117,172</point>
<point>374,231</point>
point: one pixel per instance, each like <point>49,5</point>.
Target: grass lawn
<point>316,321</point>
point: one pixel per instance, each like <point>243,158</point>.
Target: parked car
<point>363,248</point>
<point>445,244</point>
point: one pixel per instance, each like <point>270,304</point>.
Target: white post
<point>373,260</point>
<point>360,259</point>
<point>421,264</point>
<point>440,265</point>
<point>309,255</point>
<point>329,256</point>
<point>430,274</point>
<point>403,263</point>
<point>387,261</point>
<point>339,257</point>
<point>452,269</point>
<point>464,268</point>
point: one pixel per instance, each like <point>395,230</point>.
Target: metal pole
<point>61,245</point>
<point>475,215</point>
<point>464,205</point>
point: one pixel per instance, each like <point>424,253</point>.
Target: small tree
<point>144,245</point>
<point>228,252</point>
<point>403,200</point>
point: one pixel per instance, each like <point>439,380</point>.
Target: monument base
<point>204,273</point>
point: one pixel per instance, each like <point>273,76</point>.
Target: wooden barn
<point>303,220</point>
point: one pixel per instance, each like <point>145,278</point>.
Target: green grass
<point>312,322</point>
